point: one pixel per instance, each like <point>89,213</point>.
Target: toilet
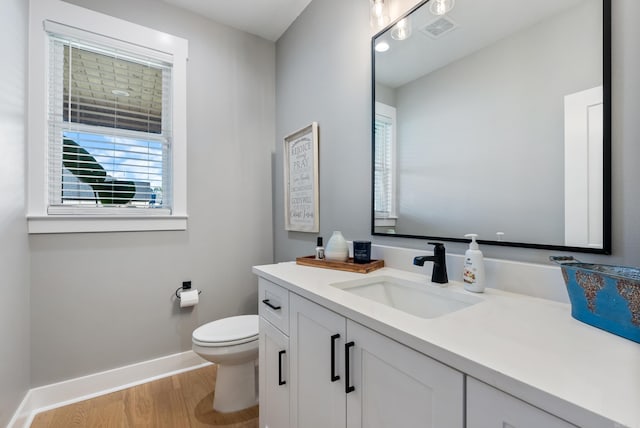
<point>231,343</point>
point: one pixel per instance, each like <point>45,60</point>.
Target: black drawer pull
<point>334,377</point>
<point>280,381</point>
<point>348,388</point>
<point>268,303</point>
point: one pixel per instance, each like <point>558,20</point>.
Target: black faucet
<point>439,273</point>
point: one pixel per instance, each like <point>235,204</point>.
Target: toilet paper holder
<point>179,290</point>
<point>186,285</point>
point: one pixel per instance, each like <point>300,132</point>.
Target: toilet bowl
<point>231,343</point>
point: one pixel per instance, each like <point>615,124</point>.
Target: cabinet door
<point>395,386</point>
<point>317,394</point>
<point>488,407</point>
<point>274,377</point>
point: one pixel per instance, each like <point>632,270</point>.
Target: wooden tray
<point>348,266</point>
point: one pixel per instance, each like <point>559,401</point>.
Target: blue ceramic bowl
<point>607,297</point>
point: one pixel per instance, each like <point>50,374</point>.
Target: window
<point>109,129</point>
<point>113,135</point>
<point>384,164</point>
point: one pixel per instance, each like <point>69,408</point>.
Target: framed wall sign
<point>301,180</point>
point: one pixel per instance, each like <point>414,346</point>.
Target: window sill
<point>385,222</point>
<point>87,224</point>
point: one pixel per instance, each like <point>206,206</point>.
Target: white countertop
<point>529,347</point>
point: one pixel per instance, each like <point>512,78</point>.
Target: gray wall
<point>328,82</point>
<point>14,251</point>
<point>504,169</point>
<point>103,300</point>
<point>324,76</point>
<point>386,95</point>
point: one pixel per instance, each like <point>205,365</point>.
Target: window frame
<point>101,29</point>
<point>387,114</point>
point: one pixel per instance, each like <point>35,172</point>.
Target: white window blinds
<point>109,130</point>
<point>384,162</point>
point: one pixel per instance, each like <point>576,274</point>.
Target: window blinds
<point>383,168</point>
<point>109,128</point>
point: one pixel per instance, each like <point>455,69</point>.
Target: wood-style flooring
<point>183,400</point>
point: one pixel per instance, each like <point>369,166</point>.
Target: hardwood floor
<point>183,400</point>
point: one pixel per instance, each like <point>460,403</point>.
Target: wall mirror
<point>494,117</point>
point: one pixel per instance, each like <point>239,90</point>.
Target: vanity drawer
<point>273,304</point>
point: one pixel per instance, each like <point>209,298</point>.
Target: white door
<point>317,388</point>
<point>583,176</point>
<point>488,407</point>
<point>395,386</point>
<point>274,377</point>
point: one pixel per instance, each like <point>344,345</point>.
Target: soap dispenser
<point>473,274</point>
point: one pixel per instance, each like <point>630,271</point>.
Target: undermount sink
<point>416,298</point>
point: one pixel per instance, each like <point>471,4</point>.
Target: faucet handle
<point>439,247</point>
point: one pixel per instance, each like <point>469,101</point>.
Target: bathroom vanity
<point>344,349</point>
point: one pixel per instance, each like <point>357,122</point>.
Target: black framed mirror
<point>494,117</point>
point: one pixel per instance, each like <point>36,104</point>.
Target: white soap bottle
<point>473,273</point>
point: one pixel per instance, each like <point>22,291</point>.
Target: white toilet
<point>231,343</point>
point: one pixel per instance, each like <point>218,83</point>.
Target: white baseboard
<point>82,388</point>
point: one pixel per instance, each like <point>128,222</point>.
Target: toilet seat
<point>227,331</point>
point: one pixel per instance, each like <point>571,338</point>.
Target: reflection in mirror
<point>494,118</point>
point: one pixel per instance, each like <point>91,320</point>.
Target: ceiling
<point>476,25</point>
<point>265,18</point>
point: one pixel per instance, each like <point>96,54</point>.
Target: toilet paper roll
<point>188,298</point>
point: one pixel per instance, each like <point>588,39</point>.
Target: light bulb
<point>440,7</point>
<point>379,14</point>
<point>402,29</point>
<point>382,46</point>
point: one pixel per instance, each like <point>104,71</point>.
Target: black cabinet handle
<point>280,381</point>
<point>334,377</point>
<point>268,303</point>
<point>348,388</point>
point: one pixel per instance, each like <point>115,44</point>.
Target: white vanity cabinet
<point>317,355</point>
<point>488,407</point>
<point>507,361</point>
<point>344,374</point>
<point>397,386</point>
<point>274,374</point>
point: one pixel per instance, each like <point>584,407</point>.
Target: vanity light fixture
<point>382,46</point>
<point>441,7</point>
<point>378,13</point>
<point>402,30</point>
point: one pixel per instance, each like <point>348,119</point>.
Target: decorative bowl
<point>604,296</point>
